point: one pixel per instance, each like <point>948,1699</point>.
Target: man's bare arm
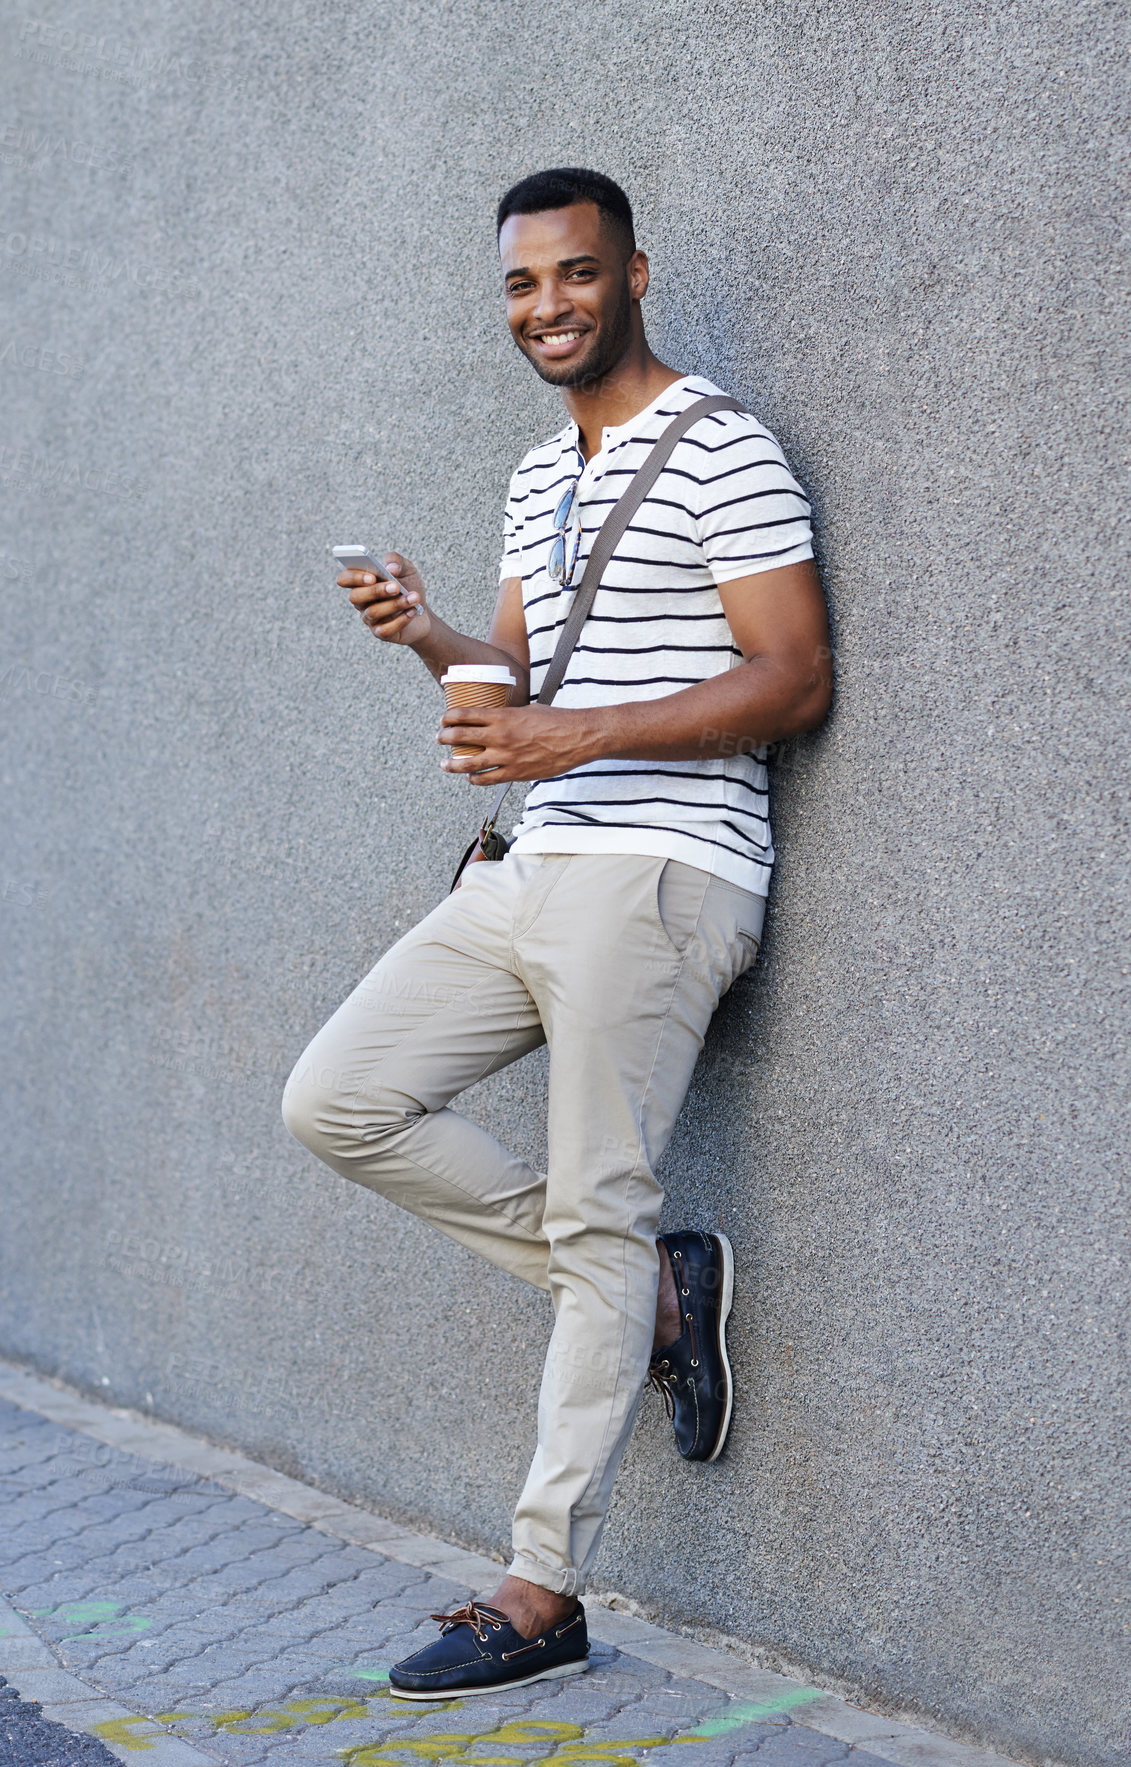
<point>782,687</point>
<point>508,635</point>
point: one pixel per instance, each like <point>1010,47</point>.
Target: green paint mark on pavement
<point>104,1618</point>
<point>741,1715</point>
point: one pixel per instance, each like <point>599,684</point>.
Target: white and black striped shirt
<point>725,506</point>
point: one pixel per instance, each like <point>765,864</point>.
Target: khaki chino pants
<point>617,962</point>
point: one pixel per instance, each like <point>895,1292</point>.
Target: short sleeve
<point>511,565</point>
<point>752,513</point>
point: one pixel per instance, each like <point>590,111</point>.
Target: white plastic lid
<point>494,672</point>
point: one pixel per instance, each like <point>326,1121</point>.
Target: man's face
<point>569,292</point>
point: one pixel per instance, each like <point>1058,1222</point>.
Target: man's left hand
<point>519,743</point>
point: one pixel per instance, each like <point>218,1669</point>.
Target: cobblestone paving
<point>262,1640</point>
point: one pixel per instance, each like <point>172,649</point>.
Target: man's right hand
<point>398,616</point>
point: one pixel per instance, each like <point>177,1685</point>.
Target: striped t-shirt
<point>726,505</point>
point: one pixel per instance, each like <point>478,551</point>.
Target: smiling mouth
<point>558,341</point>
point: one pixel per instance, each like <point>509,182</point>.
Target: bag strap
<point>612,532</point>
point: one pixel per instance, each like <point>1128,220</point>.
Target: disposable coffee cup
<point>475,684</point>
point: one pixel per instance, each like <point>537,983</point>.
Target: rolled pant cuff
<point>558,1580</point>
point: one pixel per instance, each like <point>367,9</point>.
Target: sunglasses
<point>559,574</point>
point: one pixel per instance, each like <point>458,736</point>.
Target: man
<point>631,898</point>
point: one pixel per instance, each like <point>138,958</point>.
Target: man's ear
<point>638,275</point>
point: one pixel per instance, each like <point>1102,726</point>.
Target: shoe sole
<point>726,1301</point>
<point>463,1693</point>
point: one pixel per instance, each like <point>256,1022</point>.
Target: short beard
<point>592,369</point>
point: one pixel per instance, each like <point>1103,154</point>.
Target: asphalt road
<point>29,1740</point>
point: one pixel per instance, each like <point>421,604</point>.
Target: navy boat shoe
<point>479,1651</point>
<point>692,1375</point>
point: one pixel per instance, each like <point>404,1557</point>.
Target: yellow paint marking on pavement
<point>558,1744</point>
<point>457,1745</point>
<point>118,1730</point>
<point>518,1733</point>
<point>293,1716</point>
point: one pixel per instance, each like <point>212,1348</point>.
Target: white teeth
<point>561,337</point>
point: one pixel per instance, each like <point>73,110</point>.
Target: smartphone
<point>359,558</point>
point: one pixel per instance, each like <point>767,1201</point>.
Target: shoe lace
<point>660,1381</point>
<point>469,1615</point>
<point>677,1258</point>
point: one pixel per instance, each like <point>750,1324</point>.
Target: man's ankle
<point>531,1609</point>
<point>669,1318</point>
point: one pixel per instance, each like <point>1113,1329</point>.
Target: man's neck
<point>638,378</point>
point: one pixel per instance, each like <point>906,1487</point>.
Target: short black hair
<point>561,187</point>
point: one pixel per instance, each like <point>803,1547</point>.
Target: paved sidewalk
<point>186,1605</point>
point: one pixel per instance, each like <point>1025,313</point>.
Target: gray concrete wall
<point>249,288</point>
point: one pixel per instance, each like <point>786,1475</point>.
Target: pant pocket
<point>680,890</point>
<point>747,952</point>
<point>732,919</point>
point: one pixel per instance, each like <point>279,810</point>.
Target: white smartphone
<point>359,558</point>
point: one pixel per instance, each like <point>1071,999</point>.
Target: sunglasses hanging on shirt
<point>563,514</point>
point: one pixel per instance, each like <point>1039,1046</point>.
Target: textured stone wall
<point>250,308</point>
